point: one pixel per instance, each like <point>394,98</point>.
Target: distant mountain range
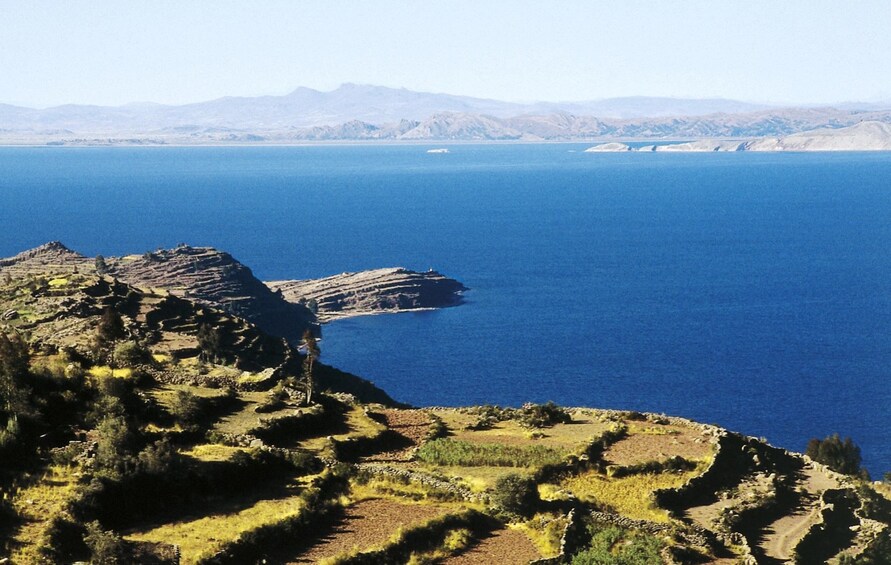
<point>362,112</point>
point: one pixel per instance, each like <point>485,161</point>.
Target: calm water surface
<point>748,290</point>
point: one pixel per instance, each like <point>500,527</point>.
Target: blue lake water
<point>748,290</point>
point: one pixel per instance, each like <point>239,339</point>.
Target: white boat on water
<point>441,150</point>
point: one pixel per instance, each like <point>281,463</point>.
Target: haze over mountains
<point>362,112</point>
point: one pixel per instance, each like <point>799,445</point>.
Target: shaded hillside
<point>372,292</point>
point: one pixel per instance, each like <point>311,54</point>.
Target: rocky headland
<point>376,291</point>
<point>865,136</point>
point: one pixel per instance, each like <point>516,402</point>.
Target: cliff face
<point>373,292</point>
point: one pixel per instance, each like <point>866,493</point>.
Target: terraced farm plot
<point>199,536</point>
<point>630,496</point>
<point>505,547</point>
<point>408,429</point>
<point>658,443</point>
<point>585,426</point>
<point>477,478</point>
<point>357,425</point>
<point>368,524</point>
<point>38,503</point>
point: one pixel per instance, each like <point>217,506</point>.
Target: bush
<point>515,494</point>
<point>129,353</point>
<point>107,548</point>
<point>618,546</point>
<point>841,456</point>
<point>186,408</point>
<point>543,415</point>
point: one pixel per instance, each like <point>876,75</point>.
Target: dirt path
<point>781,537</point>
<point>707,514</point>
<point>505,547</point>
<point>407,430</point>
<point>367,524</point>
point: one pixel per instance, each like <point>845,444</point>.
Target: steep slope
<point>372,292</point>
<point>216,279</point>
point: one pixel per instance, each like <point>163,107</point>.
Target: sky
<point>112,52</point>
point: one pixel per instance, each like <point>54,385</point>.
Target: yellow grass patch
<point>631,496</point>
<point>545,531</point>
<point>212,452</point>
<point>204,536</point>
<point>102,371</point>
<point>161,357</point>
<point>58,282</point>
<point>37,504</point>
<point>478,479</point>
<point>360,426</point>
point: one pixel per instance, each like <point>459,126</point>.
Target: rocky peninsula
<point>377,291</point>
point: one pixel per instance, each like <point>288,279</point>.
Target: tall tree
<point>311,349</point>
<point>110,330</point>
<point>14,366</point>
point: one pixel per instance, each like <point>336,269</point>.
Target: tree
<point>101,265</point>
<point>210,341</point>
<point>311,347</point>
<point>515,494</point>
<point>14,366</point>
<point>840,456</point>
<point>110,329</point>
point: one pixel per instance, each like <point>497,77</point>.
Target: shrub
<point>515,494</point>
<point>107,548</point>
<point>618,546</point>
<point>185,407</point>
<point>543,415</point>
<point>838,455</point>
<point>130,353</point>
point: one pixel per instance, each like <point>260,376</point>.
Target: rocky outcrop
<point>214,278</point>
<point>372,292</point>
<point>52,257</point>
<point>201,274</point>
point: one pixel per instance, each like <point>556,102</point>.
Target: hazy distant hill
<point>361,112</point>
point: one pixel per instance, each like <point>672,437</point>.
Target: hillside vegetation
<point>142,426</point>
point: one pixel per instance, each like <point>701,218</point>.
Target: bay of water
<point>748,290</point>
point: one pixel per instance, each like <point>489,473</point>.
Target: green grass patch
<point>445,451</point>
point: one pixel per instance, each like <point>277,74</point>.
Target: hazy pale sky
<point>113,52</point>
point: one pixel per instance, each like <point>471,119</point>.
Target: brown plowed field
<point>505,547</point>
<point>410,427</point>
<point>367,524</point>
<point>642,447</point>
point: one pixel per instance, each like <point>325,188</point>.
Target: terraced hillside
<point>144,427</point>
